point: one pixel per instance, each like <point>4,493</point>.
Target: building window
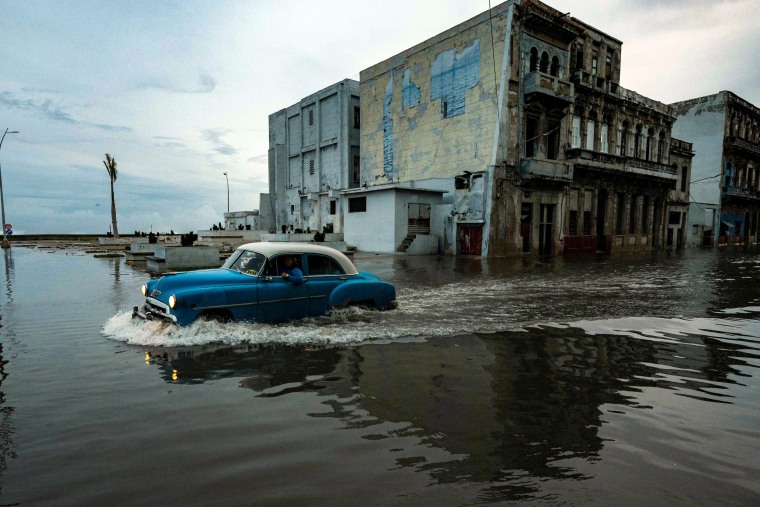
<point>552,141</point>
<point>576,142</point>
<point>311,167</point>
<point>604,138</point>
<point>311,117</point>
<point>684,177</point>
<point>357,170</point>
<point>624,140</point>
<point>637,142</point>
<point>445,109</point>
<point>661,148</point>
<point>544,62</point>
<point>579,60</point>
<point>573,223</point>
<point>632,220</point>
<point>531,135</point>
<point>645,213</point>
<point>554,69</point>
<point>674,218</point>
<point>609,65</point>
<point>292,208</point>
<point>588,197</point>
<point>332,207</point>
<point>357,117</point>
<point>620,213</point>
<point>587,223</point>
<point>357,204</point>
<point>533,59</point>
<point>594,65</point>
<point>590,134</point>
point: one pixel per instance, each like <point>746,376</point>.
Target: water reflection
<point>7,448</point>
<point>9,268</point>
<point>510,409</point>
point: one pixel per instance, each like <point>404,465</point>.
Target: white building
<point>725,174</point>
<point>313,154</point>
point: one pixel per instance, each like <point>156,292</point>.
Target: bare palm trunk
<point>113,214</point>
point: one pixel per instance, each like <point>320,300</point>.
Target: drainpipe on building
<point>506,72</point>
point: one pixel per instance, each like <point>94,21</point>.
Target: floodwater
<point>628,381</point>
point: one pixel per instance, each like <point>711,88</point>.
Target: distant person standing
<point>291,272</point>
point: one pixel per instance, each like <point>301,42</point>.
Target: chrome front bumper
<point>153,310</point>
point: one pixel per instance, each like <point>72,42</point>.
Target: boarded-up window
<point>357,204</point>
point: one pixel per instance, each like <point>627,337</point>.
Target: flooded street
<point>608,381</point>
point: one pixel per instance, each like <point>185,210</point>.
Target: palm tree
<point>110,164</point>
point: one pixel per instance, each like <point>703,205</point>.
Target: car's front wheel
<point>222,316</point>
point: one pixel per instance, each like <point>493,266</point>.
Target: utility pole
<point>5,243</point>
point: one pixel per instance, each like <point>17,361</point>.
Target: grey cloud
<point>214,136</point>
<point>48,109</point>
<point>259,158</point>
<point>206,84</point>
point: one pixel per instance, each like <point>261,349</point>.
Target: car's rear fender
<point>374,292</point>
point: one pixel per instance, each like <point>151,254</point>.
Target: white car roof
<point>271,248</point>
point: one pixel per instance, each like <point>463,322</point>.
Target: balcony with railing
<point>602,84</point>
<point>617,164</point>
<point>751,193</point>
<point>553,170</point>
<point>539,85</point>
<point>735,143</point>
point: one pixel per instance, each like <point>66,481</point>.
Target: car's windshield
<point>247,262</point>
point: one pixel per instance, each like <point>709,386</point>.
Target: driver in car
<point>291,272</point>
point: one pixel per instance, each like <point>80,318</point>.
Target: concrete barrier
<point>184,257</point>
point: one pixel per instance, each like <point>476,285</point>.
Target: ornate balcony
<point>734,143</point>
<point>553,170</point>
<point>741,193</point>
<point>621,165</point>
<point>539,85</point>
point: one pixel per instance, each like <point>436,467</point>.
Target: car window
<point>231,259</point>
<point>323,265</point>
<point>249,263</point>
<point>276,265</point>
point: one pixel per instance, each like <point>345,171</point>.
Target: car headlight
<point>172,301</point>
<point>144,289</point>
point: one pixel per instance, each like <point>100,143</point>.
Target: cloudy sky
<point>180,91</point>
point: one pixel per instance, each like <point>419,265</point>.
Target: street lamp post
<point>228,191</point>
<point>6,243</point>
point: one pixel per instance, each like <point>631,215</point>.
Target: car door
<point>325,274</point>
<point>280,299</point>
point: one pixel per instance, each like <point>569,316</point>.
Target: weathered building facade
<point>518,116</point>
<point>725,179</point>
<point>313,154</point>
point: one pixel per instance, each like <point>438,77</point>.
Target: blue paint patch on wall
<point>452,74</point>
<point>388,131</point>
<point>410,92</point>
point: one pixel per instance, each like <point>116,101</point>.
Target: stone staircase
<point>404,246</point>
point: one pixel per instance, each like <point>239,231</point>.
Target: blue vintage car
<point>266,282</point>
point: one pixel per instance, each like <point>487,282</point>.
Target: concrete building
<point>725,178</point>
<point>313,154</point>
<point>677,204</point>
<point>517,115</point>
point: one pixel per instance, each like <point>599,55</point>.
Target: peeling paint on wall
<point>388,131</point>
<point>410,92</point>
<point>452,74</point>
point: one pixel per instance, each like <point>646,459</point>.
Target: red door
<point>469,239</point>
